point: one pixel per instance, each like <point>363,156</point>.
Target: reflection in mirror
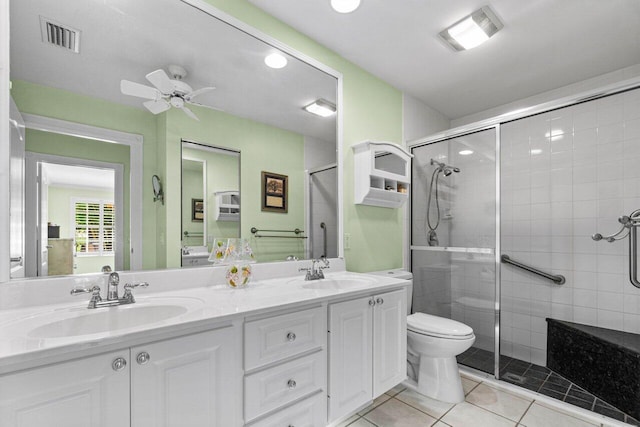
<point>253,109</point>
<point>210,199</point>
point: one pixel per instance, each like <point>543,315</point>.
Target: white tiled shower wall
<point>566,175</point>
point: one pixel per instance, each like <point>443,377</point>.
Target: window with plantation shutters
<point>94,224</point>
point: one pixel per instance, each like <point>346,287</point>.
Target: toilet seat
<point>438,327</point>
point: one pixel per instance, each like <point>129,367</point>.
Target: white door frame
<point>32,206</point>
<point>135,144</point>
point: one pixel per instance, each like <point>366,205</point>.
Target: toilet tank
<point>399,274</point>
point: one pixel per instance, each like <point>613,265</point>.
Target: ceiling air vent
<point>60,35</point>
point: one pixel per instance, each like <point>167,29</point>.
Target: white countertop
<point>204,307</point>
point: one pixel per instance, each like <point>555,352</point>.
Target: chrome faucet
<point>112,292</point>
<point>315,271</point>
<point>113,282</point>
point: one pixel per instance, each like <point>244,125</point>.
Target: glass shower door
<point>453,236</point>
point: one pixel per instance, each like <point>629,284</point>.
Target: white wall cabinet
<point>367,350</point>
<point>382,174</point>
<point>188,381</point>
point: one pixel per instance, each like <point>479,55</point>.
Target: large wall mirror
<point>114,92</point>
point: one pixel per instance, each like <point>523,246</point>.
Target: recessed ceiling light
<point>465,152</point>
<point>536,151</point>
<point>345,6</point>
<point>276,60</point>
<point>321,107</point>
<point>472,30</point>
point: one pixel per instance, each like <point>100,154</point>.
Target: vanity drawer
<point>311,412</point>
<point>275,338</point>
<point>277,386</point>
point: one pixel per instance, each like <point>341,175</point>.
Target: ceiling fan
<point>167,93</point>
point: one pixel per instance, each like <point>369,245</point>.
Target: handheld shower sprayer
<point>446,170</point>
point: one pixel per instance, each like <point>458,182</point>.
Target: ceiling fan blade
<point>136,89</point>
<point>159,79</point>
<point>157,106</point>
<point>197,104</point>
<point>198,92</point>
<point>190,113</point>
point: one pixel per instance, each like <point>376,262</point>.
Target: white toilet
<point>432,345</point>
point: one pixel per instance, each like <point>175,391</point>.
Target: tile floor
<point>485,406</point>
<point>542,380</point>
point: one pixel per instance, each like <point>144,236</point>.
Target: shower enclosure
<point>516,244</point>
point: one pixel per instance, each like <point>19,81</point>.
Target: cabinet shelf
<point>382,174</point>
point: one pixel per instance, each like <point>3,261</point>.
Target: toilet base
<point>439,378</point>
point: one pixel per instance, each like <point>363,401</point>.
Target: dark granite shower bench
<point>605,362</point>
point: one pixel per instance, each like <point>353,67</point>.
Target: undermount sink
<point>336,283</point>
<point>107,319</point>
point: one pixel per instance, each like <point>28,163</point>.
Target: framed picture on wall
<point>274,192</point>
<point>197,210</point>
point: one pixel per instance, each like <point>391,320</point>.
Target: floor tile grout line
<point>494,413</point>
<point>417,409</point>
<point>525,412</point>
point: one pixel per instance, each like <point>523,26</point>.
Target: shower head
<point>444,168</point>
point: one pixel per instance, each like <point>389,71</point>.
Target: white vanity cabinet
<point>367,349</point>
<point>88,392</point>
<point>193,380</point>
<point>286,369</point>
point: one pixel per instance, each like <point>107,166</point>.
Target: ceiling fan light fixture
<point>321,107</point>
<point>345,6</point>
<point>276,60</point>
<point>472,30</point>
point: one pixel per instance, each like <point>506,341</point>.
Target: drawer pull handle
<point>292,384</point>
<point>372,302</point>
<point>379,301</point>
<point>143,358</point>
<point>291,336</point>
<point>119,364</point>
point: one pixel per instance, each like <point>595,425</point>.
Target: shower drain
<point>514,378</point>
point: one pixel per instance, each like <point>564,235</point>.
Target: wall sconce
<point>158,194</point>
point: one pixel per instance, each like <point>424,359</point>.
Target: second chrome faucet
<point>315,271</point>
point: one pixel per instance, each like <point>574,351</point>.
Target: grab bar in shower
<point>324,240</point>
<point>557,278</point>
<point>629,224</point>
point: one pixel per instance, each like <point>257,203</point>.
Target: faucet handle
<point>95,294</point>
<point>94,290</point>
<point>130,286</point>
<point>128,296</point>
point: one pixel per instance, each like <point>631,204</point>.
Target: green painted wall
<point>372,109</point>
<point>262,148</point>
<point>60,104</point>
<point>60,213</point>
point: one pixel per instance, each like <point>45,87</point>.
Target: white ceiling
<point>123,39</point>
<point>545,44</point>
<point>78,176</point>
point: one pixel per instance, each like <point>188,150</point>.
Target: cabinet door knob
<point>143,358</point>
<point>292,384</point>
<point>379,301</point>
<point>291,336</point>
<point>372,302</point>
<point>119,364</point>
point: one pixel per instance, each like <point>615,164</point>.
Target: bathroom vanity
<point>283,351</point>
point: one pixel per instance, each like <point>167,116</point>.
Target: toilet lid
<point>437,326</point>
